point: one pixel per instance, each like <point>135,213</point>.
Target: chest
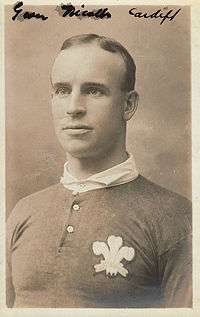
<point>90,250</point>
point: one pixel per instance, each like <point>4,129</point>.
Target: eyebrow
<point>84,86</point>
<point>96,85</point>
<point>60,84</point>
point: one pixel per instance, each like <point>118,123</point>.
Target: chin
<point>85,148</point>
<point>78,149</point>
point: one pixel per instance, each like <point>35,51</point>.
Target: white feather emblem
<point>113,254</point>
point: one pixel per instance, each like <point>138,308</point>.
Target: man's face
<point>87,101</point>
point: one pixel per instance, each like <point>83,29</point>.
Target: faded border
<point>195,11</point>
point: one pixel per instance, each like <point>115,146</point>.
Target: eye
<point>94,91</point>
<point>63,91</point>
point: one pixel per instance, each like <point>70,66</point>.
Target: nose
<point>75,106</point>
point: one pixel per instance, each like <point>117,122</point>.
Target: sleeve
<point>12,224</point>
<point>10,292</point>
<point>176,278</point>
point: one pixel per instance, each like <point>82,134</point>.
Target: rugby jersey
<point>123,246</point>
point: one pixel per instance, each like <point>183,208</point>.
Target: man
<point>105,236</point>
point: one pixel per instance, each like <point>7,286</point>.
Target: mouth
<point>77,129</point>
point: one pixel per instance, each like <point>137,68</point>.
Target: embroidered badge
<point>113,254</point>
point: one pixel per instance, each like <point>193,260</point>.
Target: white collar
<point>116,175</point>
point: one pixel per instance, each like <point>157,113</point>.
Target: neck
<point>82,168</point>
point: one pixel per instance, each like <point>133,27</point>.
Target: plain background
<point>158,135</point>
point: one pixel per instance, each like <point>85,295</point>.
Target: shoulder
<point>35,202</point>
<point>164,201</point>
<point>168,214</point>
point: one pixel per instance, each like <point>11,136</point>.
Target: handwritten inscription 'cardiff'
<point>70,11</point>
<point>159,14</point>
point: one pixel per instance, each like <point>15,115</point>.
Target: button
<point>59,250</point>
<point>82,185</point>
<point>76,207</point>
<point>70,229</point>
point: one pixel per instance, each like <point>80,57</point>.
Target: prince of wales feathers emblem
<point>113,254</point>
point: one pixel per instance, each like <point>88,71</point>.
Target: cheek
<point>108,122</point>
<point>58,107</point>
<point>107,112</point>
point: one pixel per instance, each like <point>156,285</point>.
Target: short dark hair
<point>112,46</point>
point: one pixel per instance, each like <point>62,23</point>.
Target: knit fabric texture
<point>51,259</point>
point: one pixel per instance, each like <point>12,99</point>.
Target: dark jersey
<point>123,246</point>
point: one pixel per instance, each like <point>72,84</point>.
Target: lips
<point>77,129</point>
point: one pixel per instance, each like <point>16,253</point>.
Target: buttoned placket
<point>71,224</point>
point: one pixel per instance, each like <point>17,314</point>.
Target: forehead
<point>88,62</point>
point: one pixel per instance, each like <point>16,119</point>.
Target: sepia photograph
<point>98,156</point>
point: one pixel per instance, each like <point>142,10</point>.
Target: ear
<point>131,104</point>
